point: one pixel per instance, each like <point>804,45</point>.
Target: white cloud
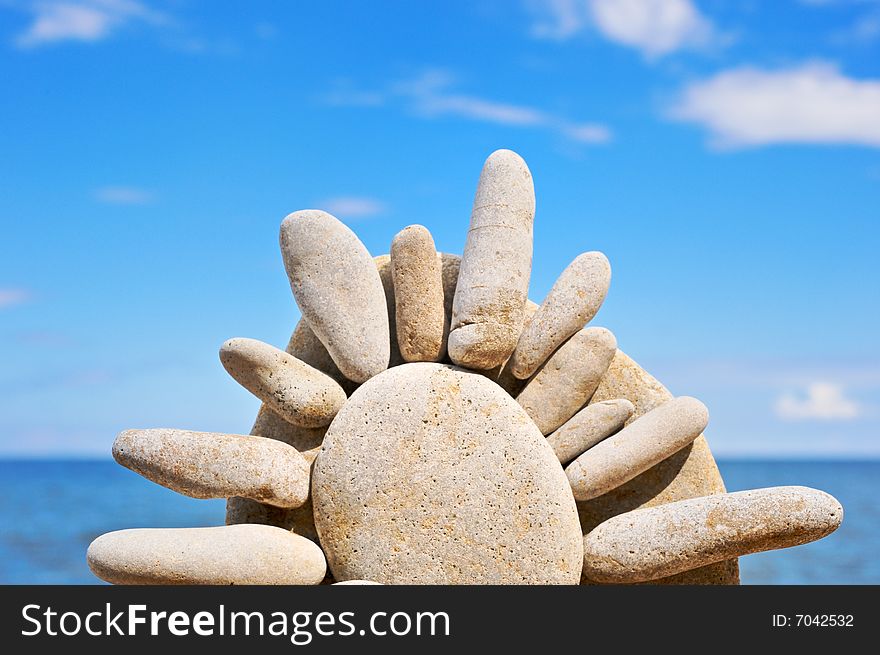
<point>123,195</point>
<point>654,27</point>
<point>12,297</point>
<point>82,20</point>
<point>811,103</point>
<point>432,94</point>
<point>822,401</point>
<point>353,206</point>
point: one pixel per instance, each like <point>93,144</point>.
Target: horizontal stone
<point>572,303</point>
<point>213,465</point>
<point>588,427</point>
<point>568,379</point>
<point>297,392</point>
<point>661,541</point>
<point>643,443</point>
<point>227,555</point>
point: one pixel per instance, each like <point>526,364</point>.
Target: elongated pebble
<point>572,303</point>
<point>338,289</point>
<point>502,375</point>
<point>213,465</point>
<point>226,555</point>
<point>639,446</point>
<point>568,379</point>
<point>296,391</point>
<point>307,347</point>
<point>487,313</point>
<point>422,325</point>
<point>655,542</point>
<point>588,427</point>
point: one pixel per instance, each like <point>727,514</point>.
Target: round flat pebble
<point>640,445</point>
<point>572,303</point>
<point>568,379</point>
<point>226,555</point>
<point>296,391</point>
<point>487,314</point>
<point>338,289</point>
<point>433,475</point>
<point>655,542</point>
<point>588,427</point>
<point>214,465</point>
<point>421,323</point>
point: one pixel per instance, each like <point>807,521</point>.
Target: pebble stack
<point>428,424</point>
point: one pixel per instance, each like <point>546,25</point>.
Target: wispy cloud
<point>83,20</point>
<point>821,401</point>
<point>353,206</point>
<point>654,27</point>
<point>124,195</point>
<point>811,103</point>
<point>12,297</point>
<point>433,94</point>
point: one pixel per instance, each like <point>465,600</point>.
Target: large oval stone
<point>434,475</point>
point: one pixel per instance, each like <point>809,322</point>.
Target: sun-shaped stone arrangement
<point>428,424</point>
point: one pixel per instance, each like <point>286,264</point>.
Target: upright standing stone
<point>572,303</point>
<point>487,314</point>
<point>689,473</point>
<point>568,379</point>
<point>656,542</point>
<point>422,325</point>
<point>298,392</point>
<point>338,290</point>
<point>643,443</point>
<point>589,426</point>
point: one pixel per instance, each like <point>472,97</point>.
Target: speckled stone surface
<point>213,465</point>
<point>296,391</point>
<point>493,285</point>
<point>421,323</point>
<point>433,475</point>
<point>661,541</point>
<point>227,555</point>
<point>307,347</point>
<point>338,290</point>
<point>688,473</point>
<point>588,427</point>
<point>502,375</point>
<point>568,379</point>
<point>648,440</point>
<point>572,303</point>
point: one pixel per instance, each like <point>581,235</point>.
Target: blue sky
<point>724,155</point>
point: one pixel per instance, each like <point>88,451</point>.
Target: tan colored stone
<point>433,475</point>
<point>588,427</point>
<point>655,542</point>
<point>357,582</point>
<point>572,303</point>
<point>227,555</point>
<point>487,313</point>
<point>502,375</point>
<point>338,290</point>
<point>307,347</point>
<point>422,325</point>
<point>648,440</point>
<point>296,391</point>
<point>689,473</point>
<point>568,379</point>
<point>212,465</point>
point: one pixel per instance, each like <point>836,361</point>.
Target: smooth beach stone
<point>689,473</point>
<point>651,543</point>
<point>643,443</point>
<point>214,465</point>
<point>487,313</point>
<point>357,582</point>
<point>431,474</point>
<point>502,375</point>
<point>418,287</point>
<point>383,265</point>
<point>226,555</point>
<point>296,391</point>
<point>572,303</point>
<point>339,292</point>
<point>568,379</point>
<point>588,427</point>
<point>307,347</point>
